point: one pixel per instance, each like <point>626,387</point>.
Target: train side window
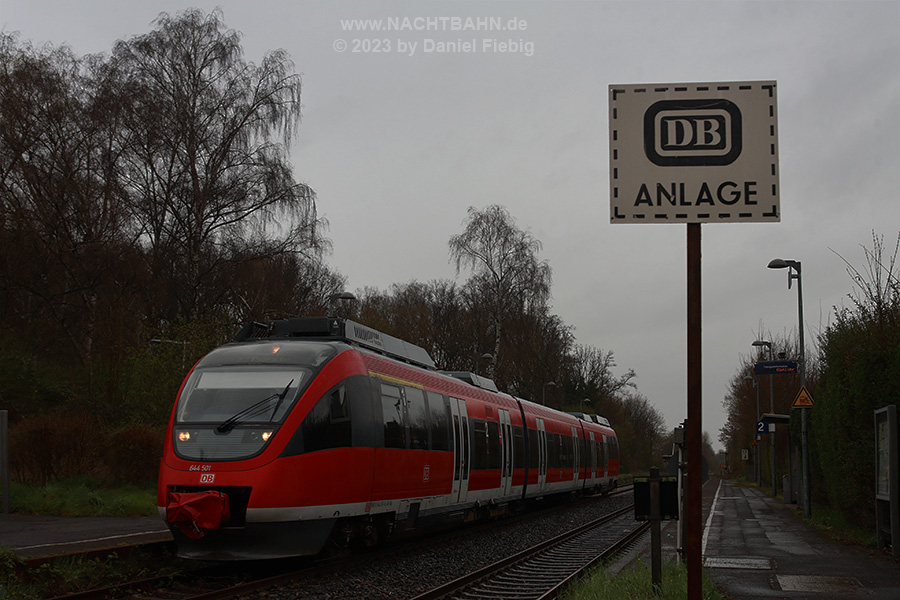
<point>418,418</point>
<point>392,411</point>
<point>518,447</point>
<point>327,425</point>
<point>494,454</point>
<point>553,445</point>
<point>440,422</point>
<point>456,445</point>
<point>534,452</point>
<point>340,408</point>
<point>480,447</point>
<point>465,463</point>
<point>568,450</point>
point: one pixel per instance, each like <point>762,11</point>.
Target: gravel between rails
<point>408,576</point>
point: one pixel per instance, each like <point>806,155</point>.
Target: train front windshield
<point>231,412</point>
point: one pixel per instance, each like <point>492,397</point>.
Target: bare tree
<point>207,174</point>
<point>505,266</point>
<point>593,370</point>
<point>63,219</point>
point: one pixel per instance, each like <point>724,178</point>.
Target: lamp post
<point>486,356</point>
<point>544,392</point>
<point>768,344</point>
<point>755,434</point>
<point>333,301</point>
<point>793,267</point>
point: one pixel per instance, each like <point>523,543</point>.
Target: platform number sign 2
<point>762,428</point>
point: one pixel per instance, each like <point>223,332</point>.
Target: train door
<point>593,446</point>
<point>542,453</point>
<point>604,465</point>
<point>506,452</point>
<point>577,454</point>
<point>460,450</point>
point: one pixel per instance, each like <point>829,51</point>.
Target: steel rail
<point>544,569</point>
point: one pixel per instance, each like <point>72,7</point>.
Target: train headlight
<point>266,435</point>
<point>184,436</point>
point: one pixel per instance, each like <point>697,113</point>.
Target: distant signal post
<point>694,153</point>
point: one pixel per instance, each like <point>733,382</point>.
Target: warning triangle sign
<point>803,400</point>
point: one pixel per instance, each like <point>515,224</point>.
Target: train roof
<point>591,418</point>
<point>334,329</point>
<point>347,331</point>
<point>340,330</point>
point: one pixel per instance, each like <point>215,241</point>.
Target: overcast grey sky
<point>399,143</point>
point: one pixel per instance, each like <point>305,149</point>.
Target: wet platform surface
<point>40,536</point>
<point>757,547</point>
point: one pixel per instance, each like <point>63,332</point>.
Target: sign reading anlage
<point>694,153</point>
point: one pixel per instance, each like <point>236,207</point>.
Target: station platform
<point>755,547</point>
<point>31,536</point>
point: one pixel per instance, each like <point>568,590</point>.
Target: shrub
<point>55,445</point>
<point>133,453</point>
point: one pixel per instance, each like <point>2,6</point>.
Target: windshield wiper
<point>253,410</point>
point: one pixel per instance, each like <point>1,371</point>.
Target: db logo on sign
<point>207,477</point>
<point>692,132</point>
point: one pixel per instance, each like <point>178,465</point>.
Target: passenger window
<point>456,445</point>
<point>480,445</point>
<point>418,418</point>
<point>393,412</point>
<point>553,446</point>
<point>518,447</point>
<point>440,422</point>
<point>327,425</point>
<point>464,448</point>
<point>494,453</point>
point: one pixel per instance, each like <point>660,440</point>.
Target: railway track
<point>543,571</point>
<point>214,582</point>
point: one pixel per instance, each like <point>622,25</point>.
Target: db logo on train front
<point>207,477</point>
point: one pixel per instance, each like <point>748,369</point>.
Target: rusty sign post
<point>694,153</point>
<point>656,500</point>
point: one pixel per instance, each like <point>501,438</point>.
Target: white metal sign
<point>694,153</point>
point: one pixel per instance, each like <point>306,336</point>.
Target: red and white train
<point>317,432</point>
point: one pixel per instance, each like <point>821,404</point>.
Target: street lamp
<point>333,301</point>
<point>485,356</point>
<point>768,344</point>
<point>544,392</point>
<point>793,267</point>
<point>755,425</point>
